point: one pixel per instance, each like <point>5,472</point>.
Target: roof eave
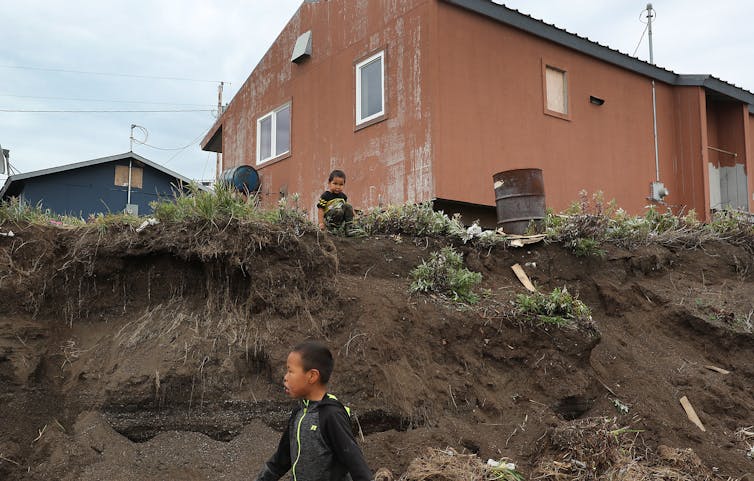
<point>213,141</point>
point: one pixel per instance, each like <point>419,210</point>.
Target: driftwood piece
<point>718,369</point>
<point>519,271</point>
<point>691,413</point>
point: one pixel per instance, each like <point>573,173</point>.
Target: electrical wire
<point>165,149</point>
<point>79,99</point>
<point>640,40</point>
<point>93,111</point>
<point>197,139</point>
<point>109,74</point>
<point>12,169</point>
<point>146,137</point>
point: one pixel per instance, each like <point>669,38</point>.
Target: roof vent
<point>303,48</point>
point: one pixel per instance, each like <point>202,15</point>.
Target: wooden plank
<point>519,271</point>
<point>718,369</point>
<point>691,413</point>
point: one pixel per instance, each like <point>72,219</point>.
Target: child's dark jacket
<point>318,445</point>
<point>328,200</point>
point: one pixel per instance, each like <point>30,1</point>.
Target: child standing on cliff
<point>333,210</point>
<point>318,444</point>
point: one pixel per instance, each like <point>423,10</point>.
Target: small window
<point>274,134</point>
<point>556,88</point>
<point>370,88</point>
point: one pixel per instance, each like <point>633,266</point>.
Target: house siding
<point>388,162</point>
<point>91,190</point>
<point>465,100</point>
<point>492,120</point>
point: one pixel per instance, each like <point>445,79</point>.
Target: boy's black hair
<point>315,355</point>
<point>337,173</point>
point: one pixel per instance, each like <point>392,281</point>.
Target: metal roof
<point>87,163</point>
<point>550,32</point>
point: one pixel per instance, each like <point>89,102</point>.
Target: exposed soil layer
<point>160,354</point>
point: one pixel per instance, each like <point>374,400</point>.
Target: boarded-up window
<point>121,176</point>
<point>556,84</point>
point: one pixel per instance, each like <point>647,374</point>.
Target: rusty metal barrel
<point>520,200</point>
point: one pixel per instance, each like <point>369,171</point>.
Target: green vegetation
<point>585,247</point>
<point>412,219</point>
<point>588,224</point>
<point>558,307</point>
<point>584,228</point>
<point>445,274</point>
<point>218,207</point>
<point>504,471</point>
<point>16,211</point>
<point>224,205</point>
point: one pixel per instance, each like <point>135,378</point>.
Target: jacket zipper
<point>298,438</point>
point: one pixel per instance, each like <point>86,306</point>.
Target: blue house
<point>125,182</point>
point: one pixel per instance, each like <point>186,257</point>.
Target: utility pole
<point>650,15</point>
<point>219,161</point>
<point>658,191</point>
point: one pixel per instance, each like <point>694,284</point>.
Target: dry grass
<point>596,449</point>
<point>449,465</point>
<point>446,465</point>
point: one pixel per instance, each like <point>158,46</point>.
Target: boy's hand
<point>321,226</point>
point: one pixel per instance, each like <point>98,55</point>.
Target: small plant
<point>620,406</point>
<point>104,222</point>
<point>558,307</point>
<point>503,471</point>
<point>586,247</point>
<point>445,274</point>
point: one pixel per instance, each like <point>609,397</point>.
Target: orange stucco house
<point>423,100</point>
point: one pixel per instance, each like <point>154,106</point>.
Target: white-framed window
<point>370,88</point>
<point>556,88</point>
<point>274,134</point>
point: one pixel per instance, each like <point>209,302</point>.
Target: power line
<point>103,111</point>
<point>189,145</point>
<point>109,74</point>
<point>79,99</point>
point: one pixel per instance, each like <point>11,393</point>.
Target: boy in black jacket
<point>318,444</point>
<point>333,209</point>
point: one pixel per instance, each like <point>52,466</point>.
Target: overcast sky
<point>209,41</point>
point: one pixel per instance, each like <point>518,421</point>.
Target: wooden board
<point>691,413</point>
<point>519,271</point>
<point>718,369</point>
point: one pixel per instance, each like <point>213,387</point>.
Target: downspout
<point>654,121</point>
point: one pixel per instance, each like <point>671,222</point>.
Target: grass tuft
<point>411,219</point>
<point>558,308</point>
<point>445,274</point>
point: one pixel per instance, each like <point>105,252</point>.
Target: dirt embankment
<point>159,355</point>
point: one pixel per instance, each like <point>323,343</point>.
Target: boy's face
<point>336,185</point>
<point>298,382</point>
